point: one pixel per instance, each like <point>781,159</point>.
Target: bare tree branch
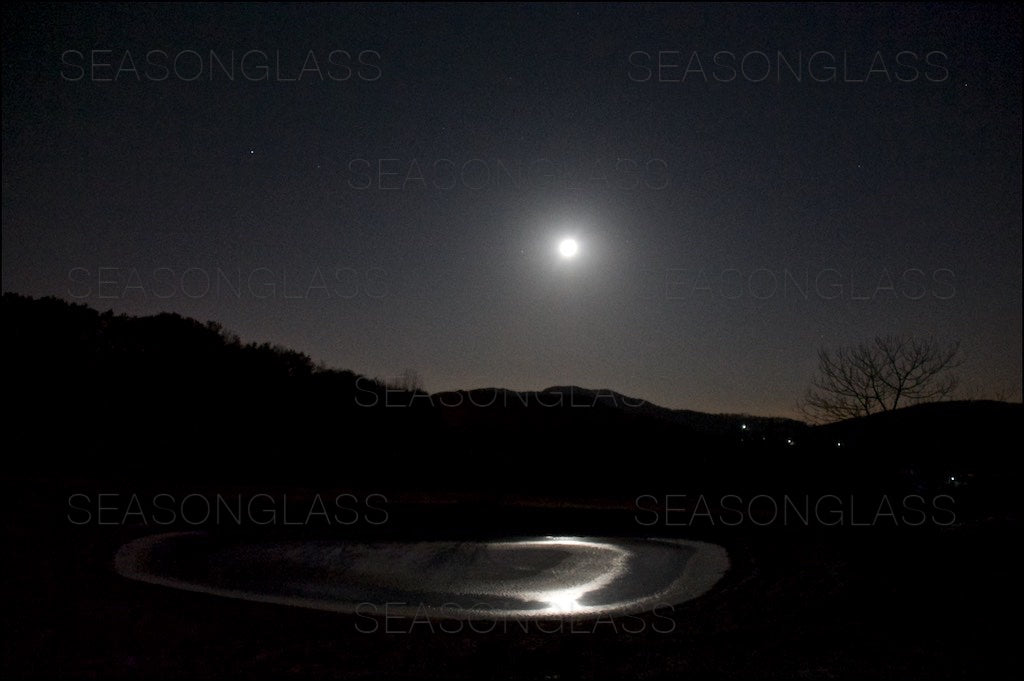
<point>881,375</point>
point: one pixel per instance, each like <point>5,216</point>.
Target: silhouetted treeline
<point>169,398</point>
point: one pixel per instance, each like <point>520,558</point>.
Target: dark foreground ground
<point>109,404</point>
<point>815,603</point>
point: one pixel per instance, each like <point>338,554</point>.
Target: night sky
<point>385,187</point>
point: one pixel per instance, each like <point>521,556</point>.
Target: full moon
<point>568,248</point>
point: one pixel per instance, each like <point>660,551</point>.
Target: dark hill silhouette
<point>779,429</point>
<point>170,398</point>
<point>968,447</point>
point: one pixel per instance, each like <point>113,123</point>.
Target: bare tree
<point>881,375</point>
<point>409,381</point>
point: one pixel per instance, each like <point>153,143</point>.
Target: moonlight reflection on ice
<point>527,577</point>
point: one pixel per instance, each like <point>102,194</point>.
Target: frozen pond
<point>532,577</point>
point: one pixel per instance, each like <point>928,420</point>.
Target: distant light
<point>839,444</point>
<point>952,478</point>
<point>743,427</point>
<point>789,442</point>
<point>568,248</point>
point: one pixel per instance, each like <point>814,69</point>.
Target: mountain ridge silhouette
<point>165,396</point>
